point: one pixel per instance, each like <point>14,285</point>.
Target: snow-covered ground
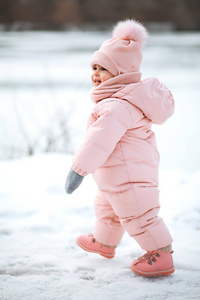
<point>39,223</point>
<point>47,76</point>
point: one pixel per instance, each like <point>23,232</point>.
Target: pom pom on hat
<point>131,30</point>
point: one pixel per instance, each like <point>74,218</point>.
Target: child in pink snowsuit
<point>120,151</point>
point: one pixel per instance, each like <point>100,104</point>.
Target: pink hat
<point>122,53</point>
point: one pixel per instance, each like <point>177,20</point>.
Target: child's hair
<point>122,53</point>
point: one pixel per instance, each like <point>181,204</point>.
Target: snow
<point>39,222</point>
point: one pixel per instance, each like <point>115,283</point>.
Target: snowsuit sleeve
<point>111,119</point>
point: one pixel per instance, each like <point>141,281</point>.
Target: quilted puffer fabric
<point>119,142</point>
<point>120,151</point>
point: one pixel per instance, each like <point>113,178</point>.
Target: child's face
<point>100,75</point>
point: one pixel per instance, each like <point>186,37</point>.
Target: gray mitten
<point>73,181</point>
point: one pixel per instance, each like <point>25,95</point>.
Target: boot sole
<point>95,251</point>
<point>156,273</point>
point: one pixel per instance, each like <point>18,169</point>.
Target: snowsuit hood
<point>150,96</point>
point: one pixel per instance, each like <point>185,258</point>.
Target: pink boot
<point>154,264</point>
<point>88,243</point>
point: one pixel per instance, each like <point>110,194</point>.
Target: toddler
<point>120,151</point>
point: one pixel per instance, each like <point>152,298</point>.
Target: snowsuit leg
<point>137,209</point>
<point>149,230</point>
<point>108,229</point>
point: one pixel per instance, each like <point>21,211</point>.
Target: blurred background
<point>45,52</point>
<point>60,14</point>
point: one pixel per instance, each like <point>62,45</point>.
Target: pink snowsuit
<point>120,151</point>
